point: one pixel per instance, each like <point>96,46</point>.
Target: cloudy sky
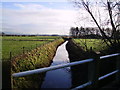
<point>43,17</point>
<point>38,17</point>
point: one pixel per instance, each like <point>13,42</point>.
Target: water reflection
<point>60,78</point>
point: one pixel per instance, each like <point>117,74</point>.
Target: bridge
<point>93,77</point>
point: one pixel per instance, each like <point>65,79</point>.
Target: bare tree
<point>114,38</point>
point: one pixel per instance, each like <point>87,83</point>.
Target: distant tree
<point>2,33</point>
<point>72,31</point>
<point>77,31</point>
<point>83,32</point>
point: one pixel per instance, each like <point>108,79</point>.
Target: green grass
<point>96,44</point>
<point>34,57</point>
<point>16,47</point>
<point>15,44</point>
<point>37,58</point>
<point>30,37</point>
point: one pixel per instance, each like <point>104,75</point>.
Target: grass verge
<point>37,58</point>
<point>96,44</point>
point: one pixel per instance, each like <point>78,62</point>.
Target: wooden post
<point>10,55</point>
<point>23,50</point>
<point>93,71</point>
<point>118,68</point>
<point>90,48</point>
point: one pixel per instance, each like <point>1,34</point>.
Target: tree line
<point>90,32</point>
<point>112,37</point>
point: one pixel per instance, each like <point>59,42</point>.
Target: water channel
<point>60,78</point>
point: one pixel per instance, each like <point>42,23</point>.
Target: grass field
<point>37,58</point>
<point>17,45</point>
<point>30,37</point>
<point>38,52</point>
<point>96,44</point>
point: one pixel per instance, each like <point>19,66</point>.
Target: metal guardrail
<point>108,56</point>
<point>107,75</point>
<point>93,62</point>
<point>20,74</point>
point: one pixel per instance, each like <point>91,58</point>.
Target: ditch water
<point>60,78</point>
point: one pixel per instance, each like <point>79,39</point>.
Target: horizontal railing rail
<point>108,56</point>
<point>107,75</point>
<point>93,62</point>
<point>25,73</point>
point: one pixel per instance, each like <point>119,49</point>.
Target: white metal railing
<point>108,56</point>
<point>93,70</point>
<point>20,74</point>
<point>107,75</point>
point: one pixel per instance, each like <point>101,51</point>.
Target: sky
<point>43,16</point>
<point>37,17</point>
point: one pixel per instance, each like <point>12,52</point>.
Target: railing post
<point>93,71</point>
<point>118,68</point>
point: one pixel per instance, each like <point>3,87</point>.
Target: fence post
<point>23,50</point>
<point>93,71</point>
<point>10,55</point>
<point>118,68</point>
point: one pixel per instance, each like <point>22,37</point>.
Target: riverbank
<point>80,72</point>
<point>37,58</point>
